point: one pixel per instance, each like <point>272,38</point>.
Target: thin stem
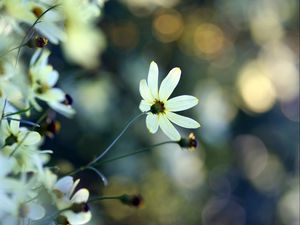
<point>23,42</point>
<point>100,198</point>
<point>102,177</point>
<point>116,139</point>
<point>23,121</point>
<point>135,152</point>
<point>18,112</point>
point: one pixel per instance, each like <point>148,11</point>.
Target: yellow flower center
<point>37,11</point>
<point>157,107</point>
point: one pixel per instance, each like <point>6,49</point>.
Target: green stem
<point>115,140</point>
<point>135,152</point>
<point>100,198</point>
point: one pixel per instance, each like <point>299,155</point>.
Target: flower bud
<point>37,42</point>
<point>132,200</point>
<point>189,143</point>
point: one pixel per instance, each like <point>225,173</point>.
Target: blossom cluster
<point>28,187</point>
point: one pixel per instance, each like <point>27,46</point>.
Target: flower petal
<point>77,218</point>
<point>169,83</point>
<point>144,106</point>
<point>31,138</point>
<point>36,211</point>
<point>145,91</point>
<point>168,128</point>
<point>64,184</point>
<point>182,121</point>
<point>52,95</point>
<point>152,123</point>
<point>153,79</point>
<point>180,103</point>
<point>15,127</point>
<point>81,196</point>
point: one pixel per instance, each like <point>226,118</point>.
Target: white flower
<point>43,78</point>
<point>78,212</point>
<point>160,109</point>
<point>51,25</point>
<point>84,41</point>
<point>16,197</point>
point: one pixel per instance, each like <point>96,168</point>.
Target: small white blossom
<point>65,198</point>
<point>43,79</point>
<point>160,109</point>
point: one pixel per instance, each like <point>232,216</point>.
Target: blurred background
<point>240,58</point>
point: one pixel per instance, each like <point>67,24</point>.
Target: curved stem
<point>115,140</point>
<point>135,152</point>
<point>103,178</point>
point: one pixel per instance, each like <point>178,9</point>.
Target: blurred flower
<point>84,41</point>
<point>76,203</point>
<point>43,78</point>
<point>160,110</point>
<point>28,12</point>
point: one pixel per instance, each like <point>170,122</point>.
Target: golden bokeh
<point>256,89</point>
<point>208,39</point>
<point>168,25</point>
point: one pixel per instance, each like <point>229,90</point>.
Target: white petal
<point>77,218</point>
<point>52,78</point>
<point>180,103</point>
<point>144,106</point>
<point>35,56</point>
<point>153,79</point>
<point>14,126</point>
<point>80,196</point>
<point>145,91</point>
<point>182,121</point>
<point>31,138</point>
<point>168,128</point>
<point>73,187</point>
<point>169,83</point>
<point>152,123</point>
<point>54,94</point>
<point>36,211</point>
<point>63,109</point>
<point>64,184</point>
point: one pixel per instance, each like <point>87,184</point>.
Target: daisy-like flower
<point>160,108</point>
<point>43,78</point>
<point>78,211</point>
<point>23,144</point>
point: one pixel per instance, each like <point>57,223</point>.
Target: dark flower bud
<point>68,100</point>
<point>50,127</point>
<point>190,142</point>
<point>37,42</point>
<point>132,200</point>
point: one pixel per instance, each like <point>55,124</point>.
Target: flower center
<point>11,140</point>
<point>157,107</point>
<point>37,11</point>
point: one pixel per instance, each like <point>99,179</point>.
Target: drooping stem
<point>149,148</point>
<point>116,139</point>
